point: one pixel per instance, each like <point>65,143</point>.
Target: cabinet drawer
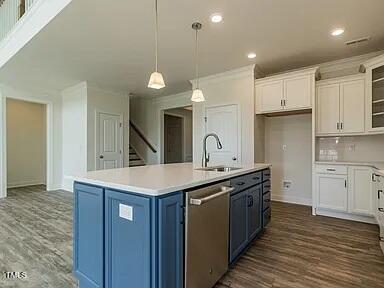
<point>266,174</point>
<point>267,186</point>
<point>332,169</point>
<point>239,183</point>
<point>266,200</point>
<point>254,178</point>
<point>267,217</point>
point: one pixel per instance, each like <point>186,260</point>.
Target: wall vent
<point>357,41</point>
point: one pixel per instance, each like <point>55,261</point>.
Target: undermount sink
<point>218,168</point>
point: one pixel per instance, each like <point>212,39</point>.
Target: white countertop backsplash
<point>156,180</point>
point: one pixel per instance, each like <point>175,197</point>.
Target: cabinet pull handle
<point>381,209</point>
<point>256,178</point>
<point>267,200</point>
<point>240,183</point>
<point>338,126</point>
<point>281,102</point>
<point>331,169</point>
<point>285,102</point>
<point>378,193</point>
<point>381,239</point>
<point>345,183</point>
<point>200,201</point>
<point>341,125</point>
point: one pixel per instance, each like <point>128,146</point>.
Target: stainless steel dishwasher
<point>206,235</point>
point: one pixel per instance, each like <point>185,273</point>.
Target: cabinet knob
<point>101,156</point>
<point>234,158</point>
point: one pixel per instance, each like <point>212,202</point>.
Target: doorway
<point>26,138</point>
<point>178,135</point>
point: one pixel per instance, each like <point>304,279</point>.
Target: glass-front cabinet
<point>375,96</point>
<point>378,97</point>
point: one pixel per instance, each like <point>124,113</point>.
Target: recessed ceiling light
<point>216,18</point>
<point>337,31</point>
<point>251,55</point>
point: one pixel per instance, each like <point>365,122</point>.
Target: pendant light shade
<point>156,81</point>
<point>197,94</point>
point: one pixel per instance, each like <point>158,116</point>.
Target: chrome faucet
<point>205,158</point>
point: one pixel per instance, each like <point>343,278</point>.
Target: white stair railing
<point>10,13</point>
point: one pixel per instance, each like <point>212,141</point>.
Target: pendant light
<point>197,94</point>
<point>156,81</point>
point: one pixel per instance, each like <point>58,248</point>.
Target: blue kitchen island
<point>129,223</point>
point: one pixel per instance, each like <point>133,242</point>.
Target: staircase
<point>134,159</point>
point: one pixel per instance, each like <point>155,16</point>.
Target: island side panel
<point>88,237</point>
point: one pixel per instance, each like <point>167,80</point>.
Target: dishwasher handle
<point>200,201</point>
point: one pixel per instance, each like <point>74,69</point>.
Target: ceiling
<point>111,43</point>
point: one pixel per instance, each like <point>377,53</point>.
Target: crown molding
<point>228,75</point>
<point>292,73</point>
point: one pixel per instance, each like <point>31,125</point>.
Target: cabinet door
<point>297,93</point>
<point>171,241</point>
<point>360,191</point>
<point>332,192</point>
<point>352,106</point>
<point>88,237</point>
<point>254,211</point>
<point>270,96</point>
<point>327,104</point>
<point>127,240</point>
<point>238,224</point>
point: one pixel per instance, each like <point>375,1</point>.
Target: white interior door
<point>223,120</point>
<point>110,150</point>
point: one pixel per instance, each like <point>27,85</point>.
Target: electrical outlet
<point>284,147</point>
<point>351,148</point>
<point>287,184</point>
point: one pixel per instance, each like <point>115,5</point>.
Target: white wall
<point>100,100</point>
<point>26,143</point>
<point>54,120</point>
<point>232,87</point>
<point>187,131</point>
<point>74,133</point>
<point>295,162</point>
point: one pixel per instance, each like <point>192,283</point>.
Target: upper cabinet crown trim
<point>291,74</point>
<point>374,61</point>
<point>340,79</point>
<point>231,74</point>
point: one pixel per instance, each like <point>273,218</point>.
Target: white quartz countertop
<point>157,180</point>
<point>376,165</point>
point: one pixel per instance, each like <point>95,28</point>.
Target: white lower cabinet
<point>360,189</point>
<point>332,192</point>
<point>347,189</point>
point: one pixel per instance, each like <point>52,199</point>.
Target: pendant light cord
<point>197,60</point>
<point>156,36</point>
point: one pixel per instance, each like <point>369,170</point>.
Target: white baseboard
<point>24,183</point>
<point>67,183</point>
<point>292,199</point>
<point>346,216</point>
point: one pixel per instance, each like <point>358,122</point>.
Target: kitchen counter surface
<point>377,165</point>
<point>157,180</point>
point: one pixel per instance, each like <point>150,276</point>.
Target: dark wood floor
<point>297,250</point>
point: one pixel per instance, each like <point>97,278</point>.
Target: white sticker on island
<point>126,212</point>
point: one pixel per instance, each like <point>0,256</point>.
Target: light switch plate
<point>126,212</point>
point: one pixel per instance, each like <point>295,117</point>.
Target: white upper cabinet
<point>286,92</point>
<point>375,95</point>
<point>271,95</point>
<point>297,92</point>
<point>328,107</point>
<point>352,103</point>
<point>340,106</point>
